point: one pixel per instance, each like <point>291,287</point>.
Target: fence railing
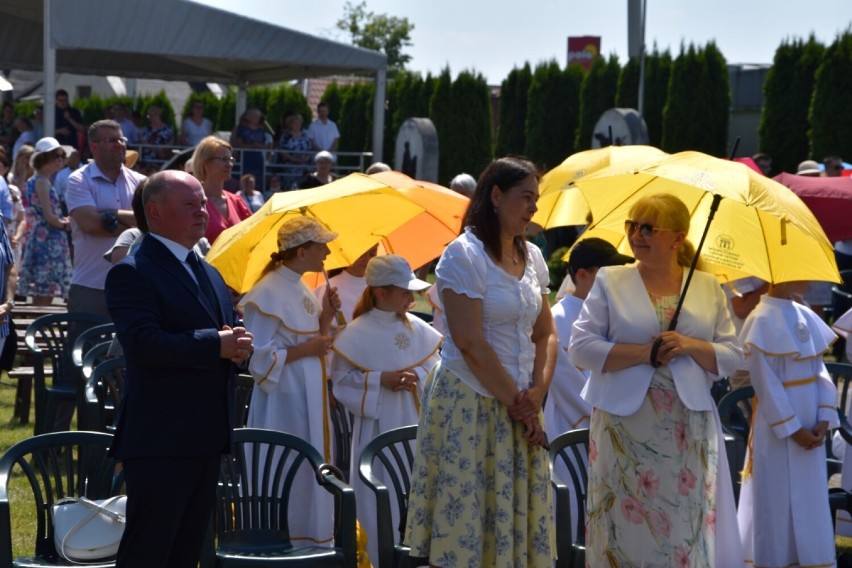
<point>263,163</point>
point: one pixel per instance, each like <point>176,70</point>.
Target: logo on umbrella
<point>725,242</point>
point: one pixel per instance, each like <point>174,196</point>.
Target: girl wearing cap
<point>380,363</point>
<point>46,264</point>
<point>480,489</point>
<point>288,365</point>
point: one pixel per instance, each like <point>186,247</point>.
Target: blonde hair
<point>368,301</point>
<point>668,212</point>
<point>204,152</point>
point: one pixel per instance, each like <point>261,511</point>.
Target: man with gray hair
<point>464,184</point>
<point>99,197</point>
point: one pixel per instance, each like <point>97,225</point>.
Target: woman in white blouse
<point>480,443</point>
<point>659,491</point>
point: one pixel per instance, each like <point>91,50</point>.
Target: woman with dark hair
<point>480,490</point>
<point>659,491</point>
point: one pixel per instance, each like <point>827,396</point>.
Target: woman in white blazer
<point>659,486</point>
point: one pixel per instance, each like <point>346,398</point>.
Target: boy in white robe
<point>784,516</point>
<point>380,363</point>
<point>350,284</point>
<point>565,409</point>
<point>842,326</point>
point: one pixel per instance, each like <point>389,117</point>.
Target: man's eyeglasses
<point>113,140</point>
<point>647,230</point>
<point>224,160</point>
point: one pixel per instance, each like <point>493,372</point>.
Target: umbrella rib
<point>766,247</point>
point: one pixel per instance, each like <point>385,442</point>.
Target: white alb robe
<point>565,409</point>
<point>784,517</point>
<point>281,312</point>
<point>374,342</point>
<point>843,326</point>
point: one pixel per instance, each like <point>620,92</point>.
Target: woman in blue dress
<point>46,265</point>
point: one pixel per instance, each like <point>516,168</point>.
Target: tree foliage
<point>440,111</point>
<point>658,68</point>
<point>469,141</point>
<point>830,113</point>
<point>787,92</point>
<point>511,134</point>
<point>552,113</point>
<point>379,32</point>
<point>698,104</point>
<point>597,94</point>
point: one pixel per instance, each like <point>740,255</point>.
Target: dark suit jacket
<point>179,392</point>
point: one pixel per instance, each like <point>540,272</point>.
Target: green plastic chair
<point>570,450</point>
<point>253,498</point>
<point>54,465</point>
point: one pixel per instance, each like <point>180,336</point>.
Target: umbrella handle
<point>655,348</point>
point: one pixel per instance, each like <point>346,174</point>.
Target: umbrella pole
<point>714,206</point>
<point>341,319</point>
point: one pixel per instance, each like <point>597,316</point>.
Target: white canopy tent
<point>172,39</point>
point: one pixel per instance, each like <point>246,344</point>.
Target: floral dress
<point>652,479</point>
<point>163,136</point>
<point>290,143</point>
<point>46,264</point>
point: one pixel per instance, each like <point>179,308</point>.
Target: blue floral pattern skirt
<point>480,495</point>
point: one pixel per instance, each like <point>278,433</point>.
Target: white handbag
<point>86,530</point>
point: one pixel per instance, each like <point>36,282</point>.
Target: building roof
<point>170,39</point>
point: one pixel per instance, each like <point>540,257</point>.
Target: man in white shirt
<point>99,199</point>
<point>323,132</point>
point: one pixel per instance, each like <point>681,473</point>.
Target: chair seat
<point>234,556</point>
<point>41,563</point>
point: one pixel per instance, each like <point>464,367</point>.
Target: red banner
<point>583,50</point>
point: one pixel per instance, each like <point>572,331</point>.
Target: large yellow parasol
<point>561,204</point>
<point>761,228</point>
<point>361,209</point>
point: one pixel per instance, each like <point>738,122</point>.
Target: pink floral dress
<point>652,479</point>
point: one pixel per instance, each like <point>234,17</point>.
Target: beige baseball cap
<point>300,230</point>
<point>393,270</point>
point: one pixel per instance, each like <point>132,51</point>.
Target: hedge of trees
<point>548,112</point>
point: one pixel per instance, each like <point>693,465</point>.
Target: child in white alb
<point>380,363</point>
<point>784,516</point>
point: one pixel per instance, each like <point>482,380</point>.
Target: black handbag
<point>10,348</point>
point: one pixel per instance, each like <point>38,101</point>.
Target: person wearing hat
<point>46,264</point>
<point>380,363</point>
<point>324,160</point>
<point>565,409</point>
<point>291,338</point>
<point>808,168</point>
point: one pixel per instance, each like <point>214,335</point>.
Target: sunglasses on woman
<point>646,230</point>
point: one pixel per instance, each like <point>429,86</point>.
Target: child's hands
<point>807,438</point>
<point>399,380</point>
<point>821,429</point>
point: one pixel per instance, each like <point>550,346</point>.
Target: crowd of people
<point>495,376</point>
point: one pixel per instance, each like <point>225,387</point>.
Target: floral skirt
<point>480,495</point>
<point>652,485</point>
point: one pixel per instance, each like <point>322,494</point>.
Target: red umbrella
<point>829,198</point>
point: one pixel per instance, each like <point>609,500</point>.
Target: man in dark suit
<point>174,318</point>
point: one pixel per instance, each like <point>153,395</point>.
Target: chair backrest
<point>394,452</point>
<point>94,357</point>
<point>55,465</point>
<point>107,385</point>
<point>48,336</point>
<point>569,471</point>
<point>342,421</point>
<point>735,410</point>
<point>88,339</point>
<point>242,398</point>
<point>255,481</point>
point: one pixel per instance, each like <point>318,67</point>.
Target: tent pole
<point>379,114</point>
<point>49,68</point>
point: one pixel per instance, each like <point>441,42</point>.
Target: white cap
<point>324,155</point>
<point>392,270</point>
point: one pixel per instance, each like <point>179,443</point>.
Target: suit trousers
<point>169,504</point>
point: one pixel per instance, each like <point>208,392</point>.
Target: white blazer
<point>619,310</point>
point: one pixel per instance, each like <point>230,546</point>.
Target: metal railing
<point>270,162</point>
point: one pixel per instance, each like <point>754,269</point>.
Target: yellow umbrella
<point>361,209</point>
<point>760,229</point>
<point>560,204</point>
<point>424,238</point>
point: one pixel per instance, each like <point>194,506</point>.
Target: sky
<point>494,36</point>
